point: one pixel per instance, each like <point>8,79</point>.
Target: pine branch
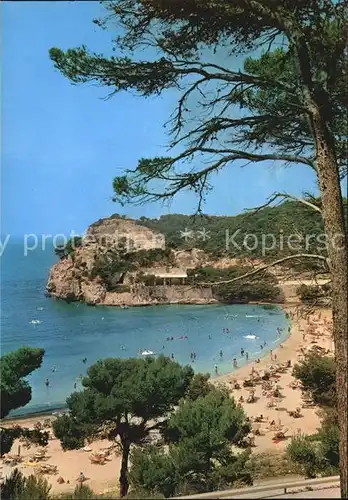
<point>267,266</point>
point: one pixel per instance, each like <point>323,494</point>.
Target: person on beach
<point>82,477</point>
<point>271,352</point>
<point>247,356</point>
<point>235,364</point>
<point>275,357</point>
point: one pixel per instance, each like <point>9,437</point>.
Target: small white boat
<point>35,321</point>
<point>147,353</point>
<point>251,337</point>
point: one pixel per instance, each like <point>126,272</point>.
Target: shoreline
<point>289,345</point>
<point>304,334</point>
<point>191,302</point>
<point>29,413</point>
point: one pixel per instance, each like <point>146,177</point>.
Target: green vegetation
<point>263,286</point>
<point>16,392</point>
<point>318,453</point>
<point>125,399</point>
<point>318,377</point>
<point>63,251</point>
<point>199,386</point>
<point>306,454</point>
<point>312,293</point>
<point>112,265</point>
<point>18,487</point>
<point>286,103</point>
<point>289,218</point>
<point>200,458</point>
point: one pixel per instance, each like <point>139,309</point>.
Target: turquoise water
<point>70,332</point>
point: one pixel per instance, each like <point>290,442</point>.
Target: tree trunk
<point>334,224</point>
<point>124,485</point>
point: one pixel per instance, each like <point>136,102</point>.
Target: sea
<point>70,332</point>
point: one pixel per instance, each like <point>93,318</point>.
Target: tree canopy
<point>318,377</point>
<point>123,399</point>
<point>200,435</point>
<point>286,104</point>
<point>242,109</point>
<point>15,391</point>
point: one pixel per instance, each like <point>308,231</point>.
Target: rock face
<point>124,231</point>
<point>74,277</point>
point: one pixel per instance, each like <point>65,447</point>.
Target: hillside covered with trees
<point>295,227</point>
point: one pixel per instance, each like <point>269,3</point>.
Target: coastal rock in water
<point>93,291</point>
<point>100,271</point>
<point>63,282</point>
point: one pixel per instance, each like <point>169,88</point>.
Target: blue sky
<point>62,144</point>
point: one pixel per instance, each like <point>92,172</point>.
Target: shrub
<point>309,293</point>
<point>82,491</point>
<point>18,487</point>
<point>318,376</point>
<point>305,453</point>
<point>199,386</point>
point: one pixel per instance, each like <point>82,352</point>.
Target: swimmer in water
<point>209,337</point>
<point>261,346</point>
<point>247,356</point>
<point>84,360</point>
<point>242,352</point>
<point>75,385</point>
<point>216,370</point>
<point>47,382</point>
<point>221,354</point>
<point>172,355</point>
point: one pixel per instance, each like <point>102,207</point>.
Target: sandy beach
<point>314,330</point>
<point>306,333</point>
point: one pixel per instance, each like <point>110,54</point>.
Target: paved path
<point>327,493</point>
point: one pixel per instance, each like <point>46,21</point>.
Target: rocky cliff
<point>76,277</point>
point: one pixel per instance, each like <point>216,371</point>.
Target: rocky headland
<point>79,275</point>
<point>120,262</point>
